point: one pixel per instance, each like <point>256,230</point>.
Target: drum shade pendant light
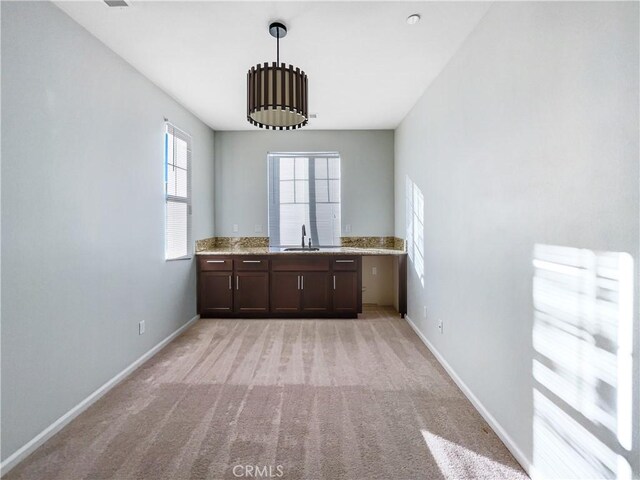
<point>277,93</point>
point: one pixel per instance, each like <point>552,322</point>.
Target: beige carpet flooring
<point>300,399</point>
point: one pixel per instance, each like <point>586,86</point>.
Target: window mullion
<point>313,212</point>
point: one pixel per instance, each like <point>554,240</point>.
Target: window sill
<point>188,257</point>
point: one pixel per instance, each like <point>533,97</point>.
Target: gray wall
<point>528,137</point>
<point>367,177</point>
<point>83,217</point>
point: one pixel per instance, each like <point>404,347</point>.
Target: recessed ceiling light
<point>413,19</point>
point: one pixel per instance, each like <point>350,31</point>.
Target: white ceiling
<point>366,66</point>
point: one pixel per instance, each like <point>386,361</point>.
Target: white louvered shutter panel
<point>177,193</point>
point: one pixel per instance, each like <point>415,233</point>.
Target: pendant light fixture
<point>277,93</point>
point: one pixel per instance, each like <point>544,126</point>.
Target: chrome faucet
<point>304,234</point>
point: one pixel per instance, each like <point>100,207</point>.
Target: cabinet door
<point>345,292</point>
<point>216,294</point>
<point>315,292</point>
<point>252,292</point>
<point>285,292</point>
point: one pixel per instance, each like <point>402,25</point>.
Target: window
<point>414,215</point>
<point>304,189</point>
<point>177,177</point>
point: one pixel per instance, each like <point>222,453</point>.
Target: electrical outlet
<point>347,228</point>
<point>235,228</point>
<point>141,327</point>
<point>441,326</point>
<point>374,271</point>
<point>424,311</point>
<point>257,228</point>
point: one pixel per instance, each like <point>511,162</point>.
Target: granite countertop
<point>260,246</point>
<point>280,251</point>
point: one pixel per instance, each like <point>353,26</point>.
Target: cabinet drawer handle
<point>298,282</point>
<point>251,261</point>
<point>216,261</point>
<point>237,282</point>
<point>334,282</point>
<point>302,282</point>
<point>229,282</point>
<point>345,261</point>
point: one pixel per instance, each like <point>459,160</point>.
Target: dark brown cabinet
<point>228,286</point>
<point>300,292</point>
<point>215,294</point>
<point>251,295</point>
<point>315,295</point>
<point>252,292</point>
<point>215,289</point>
<point>279,285</point>
<point>285,292</point>
<point>345,292</point>
<point>300,284</point>
<point>347,298</point>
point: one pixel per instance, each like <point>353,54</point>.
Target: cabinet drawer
<point>345,263</point>
<point>300,263</point>
<point>215,263</point>
<point>251,263</point>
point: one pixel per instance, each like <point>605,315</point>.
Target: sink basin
<point>301,249</point>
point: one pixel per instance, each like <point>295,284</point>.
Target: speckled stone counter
<point>260,246</point>
<point>281,251</point>
<point>215,243</point>
<point>393,243</point>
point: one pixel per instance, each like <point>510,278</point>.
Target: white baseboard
<point>493,423</point>
<point>60,423</point>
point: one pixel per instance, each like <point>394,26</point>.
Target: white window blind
<point>177,175</point>
<point>304,189</point>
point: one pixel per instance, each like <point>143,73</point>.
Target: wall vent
<point>116,3</point>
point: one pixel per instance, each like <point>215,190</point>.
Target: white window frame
<point>171,133</point>
<point>272,197</point>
